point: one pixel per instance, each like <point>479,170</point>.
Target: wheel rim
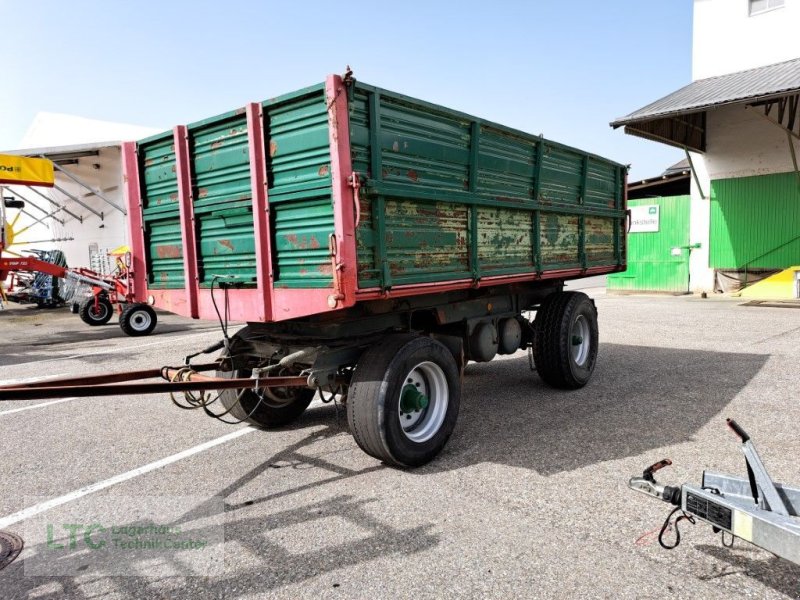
<point>99,312</point>
<point>280,397</point>
<point>581,340</point>
<point>423,402</point>
<point>140,320</point>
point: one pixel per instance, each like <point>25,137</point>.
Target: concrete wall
<point>727,39</point>
<point>741,143</point>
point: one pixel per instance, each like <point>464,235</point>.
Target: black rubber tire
<point>99,316</point>
<point>552,346</point>
<point>374,393</point>
<point>138,319</point>
<point>266,412</point>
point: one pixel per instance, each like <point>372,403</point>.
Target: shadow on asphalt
<point>776,573</point>
<point>277,567</point>
<point>21,352</point>
<point>640,398</point>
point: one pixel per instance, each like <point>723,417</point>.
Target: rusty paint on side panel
<point>536,204</point>
<point>425,238</point>
<point>504,240</point>
<point>222,193</point>
<point>600,240</point>
<point>559,239</point>
<point>160,212</point>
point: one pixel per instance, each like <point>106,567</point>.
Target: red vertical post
<point>261,219</point>
<point>133,200</point>
<point>343,193</point>
<point>188,235</point>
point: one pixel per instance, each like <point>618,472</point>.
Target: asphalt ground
<point>529,498</point>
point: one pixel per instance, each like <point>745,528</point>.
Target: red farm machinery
<point>107,292</point>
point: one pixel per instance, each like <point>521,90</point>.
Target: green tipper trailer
<point>374,243</point>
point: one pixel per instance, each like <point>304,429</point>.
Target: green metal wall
<point>651,265</point>
<point>453,197</point>
<point>300,196</point>
<point>755,222</point>
<point>446,196</point>
<point>161,212</point>
<point>222,198</point>
<point>299,180</point>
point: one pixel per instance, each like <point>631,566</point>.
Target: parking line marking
<point>27,513</point>
<point>41,405</point>
<point>7,382</point>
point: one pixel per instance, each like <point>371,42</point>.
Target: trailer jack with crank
<point>755,509</point>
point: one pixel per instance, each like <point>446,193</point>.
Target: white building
<point>739,122</point>
<point>85,212</point>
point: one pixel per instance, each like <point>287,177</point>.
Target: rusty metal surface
<point>299,176</point>
<point>222,198</point>
<point>10,547</point>
<point>105,378</point>
<point>160,212</point>
<point>445,197</point>
<point>130,389</point>
<point>449,196</point>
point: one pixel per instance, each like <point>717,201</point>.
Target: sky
<point>562,69</point>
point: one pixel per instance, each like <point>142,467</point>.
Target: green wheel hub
<point>411,399</point>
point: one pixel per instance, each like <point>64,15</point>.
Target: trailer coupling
<point>755,509</point>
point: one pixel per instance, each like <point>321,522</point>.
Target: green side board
<point>651,265</point>
<point>444,196</point>
<point>755,222</point>
<point>299,189</point>
<point>161,213</point>
<point>222,198</point>
<point>300,195</point>
<point>464,198</point>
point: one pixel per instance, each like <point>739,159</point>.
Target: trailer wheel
<point>138,319</point>
<point>277,407</point>
<point>96,315</point>
<point>403,400</point>
<point>566,340</point>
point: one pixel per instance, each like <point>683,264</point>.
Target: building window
<point>760,6</point>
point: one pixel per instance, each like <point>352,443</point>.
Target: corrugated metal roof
<point>758,83</point>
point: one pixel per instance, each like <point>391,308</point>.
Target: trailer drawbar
<point>755,509</point>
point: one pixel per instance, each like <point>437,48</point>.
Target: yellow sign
<point>22,170</point>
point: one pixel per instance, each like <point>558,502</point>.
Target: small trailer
<point>374,243</point>
<point>757,509</point>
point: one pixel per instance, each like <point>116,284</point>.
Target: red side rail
<point>31,264</point>
<point>130,178</point>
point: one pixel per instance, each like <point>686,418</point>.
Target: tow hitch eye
<point>412,399</point>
